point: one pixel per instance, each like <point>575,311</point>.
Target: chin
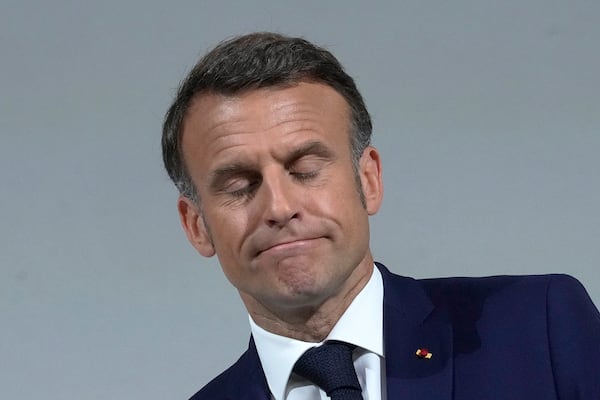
<point>298,277</point>
<point>306,301</point>
<point>307,292</point>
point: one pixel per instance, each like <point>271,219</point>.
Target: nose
<point>280,203</point>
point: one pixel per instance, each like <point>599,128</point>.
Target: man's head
<point>256,61</point>
<point>268,141</point>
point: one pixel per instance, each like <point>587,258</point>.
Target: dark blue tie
<point>331,368</point>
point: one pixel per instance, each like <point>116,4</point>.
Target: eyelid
<point>235,184</point>
<point>313,149</point>
<point>218,179</point>
<point>245,192</point>
<point>307,164</point>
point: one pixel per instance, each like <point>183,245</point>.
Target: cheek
<point>340,210</point>
<point>344,196</point>
<point>228,230</point>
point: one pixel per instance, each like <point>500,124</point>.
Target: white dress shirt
<point>361,324</point>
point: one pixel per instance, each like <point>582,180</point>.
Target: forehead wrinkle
<point>228,132</point>
<point>217,144</point>
<point>306,118</point>
<point>293,110</point>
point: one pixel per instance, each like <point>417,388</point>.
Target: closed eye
<point>306,162</point>
<point>234,180</point>
<point>241,186</point>
<point>307,167</point>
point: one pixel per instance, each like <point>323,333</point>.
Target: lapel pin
<point>424,353</point>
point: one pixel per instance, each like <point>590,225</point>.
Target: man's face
<point>280,204</point>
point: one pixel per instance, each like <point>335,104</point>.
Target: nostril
<point>283,220</point>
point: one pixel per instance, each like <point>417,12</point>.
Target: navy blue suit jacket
<point>504,337</point>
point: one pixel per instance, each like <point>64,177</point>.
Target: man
<point>268,142</point>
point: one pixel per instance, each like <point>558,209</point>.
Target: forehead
<point>216,108</point>
<point>261,119</point>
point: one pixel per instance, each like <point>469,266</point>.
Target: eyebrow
<point>223,173</point>
<point>315,148</point>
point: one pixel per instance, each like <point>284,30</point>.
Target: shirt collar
<point>278,354</point>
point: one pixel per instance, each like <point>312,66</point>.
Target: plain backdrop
<point>487,115</point>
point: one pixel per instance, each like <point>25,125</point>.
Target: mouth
<point>289,247</point>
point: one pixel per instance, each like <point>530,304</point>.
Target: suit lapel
<point>248,381</point>
<point>410,323</point>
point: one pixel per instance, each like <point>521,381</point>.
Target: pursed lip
<point>286,245</point>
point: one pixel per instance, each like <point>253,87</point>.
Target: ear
<point>370,177</point>
<point>195,227</point>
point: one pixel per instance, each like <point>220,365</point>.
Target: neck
<point>310,322</point>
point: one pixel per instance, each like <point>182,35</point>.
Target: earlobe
<point>195,227</point>
<point>372,183</point>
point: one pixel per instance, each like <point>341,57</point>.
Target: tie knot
<point>330,367</point>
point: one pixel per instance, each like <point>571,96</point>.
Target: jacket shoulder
<point>521,287</point>
<point>498,280</point>
<point>510,295</point>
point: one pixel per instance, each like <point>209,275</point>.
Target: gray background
<point>487,115</point>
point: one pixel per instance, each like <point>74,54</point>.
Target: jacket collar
<point>411,322</point>
<point>245,380</point>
